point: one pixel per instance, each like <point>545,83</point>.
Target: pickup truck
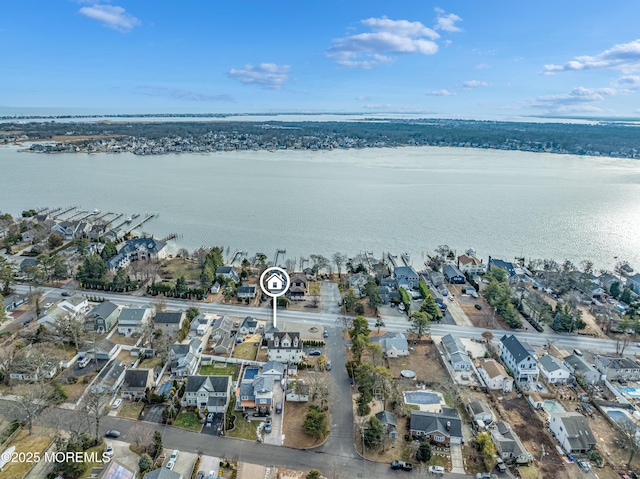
<point>405,466</point>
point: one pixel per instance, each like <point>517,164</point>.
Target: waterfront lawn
<point>24,442</point>
<point>131,410</point>
<point>246,350</point>
<point>175,268</point>
<point>216,370</point>
<point>188,420</point>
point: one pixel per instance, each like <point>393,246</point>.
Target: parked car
<point>327,365</point>
<point>171,465</point>
<point>267,428</point>
<point>325,334</point>
<point>436,470</point>
<point>315,352</point>
<point>116,404</point>
<point>109,449</point>
<point>584,465</point>
<point>174,455</point>
<point>278,408</point>
<point>112,433</point>
<point>405,466</point>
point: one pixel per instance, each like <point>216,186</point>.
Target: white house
<point>469,263</point>
<point>572,431</point>
<point>495,377</point>
<point>519,356</point>
<point>552,369</point>
<point>456,353</point>
<point>249,326</point>
<point>133,320</point>
<point>396,346</point>
<point>209,393</point>
<point>618,367</point>
<point>76,304</point>
<point>285,348</point>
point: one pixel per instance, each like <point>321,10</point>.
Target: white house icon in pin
<point>274,282</point>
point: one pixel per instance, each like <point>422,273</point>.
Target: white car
<point>436,469</point>
<point>116,404</point>
<point>170,465</point>
<point>174,455</point>
<point>47,305</point>
<point>109,449</point>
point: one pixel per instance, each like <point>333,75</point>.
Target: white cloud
<point>624,57</point>
<point>386,39</point>
<point>268,75</point>
<point>577,100</point>
<point>180,94</point>
<point>629,82</point>
<point>111,16</point>
<point>474,84</point>
<point>441,93</point>
<point>363,98</point>
<point>379,106</point>
<point>447,23</point>
<point>482,66</point>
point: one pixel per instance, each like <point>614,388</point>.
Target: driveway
<point>184,463</point>
<point>214,427</point>
<point>457,463</point>
<point>209,464</point>
<point>275,437</point>
<point>330,297</point>
<point>154,413</point>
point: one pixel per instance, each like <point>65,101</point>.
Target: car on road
<point>109,449</point>
<point>112,433</point>
<point>66,293</point>
<point>327,365</point>
<point>325,334</point>
<point>584,465</point>
<point>436,470</point>
<point>47,305</point>
<point>405,466</point>
<point>315,352</point>
<point>171,465</point>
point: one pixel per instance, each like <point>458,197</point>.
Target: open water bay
<point>503,203</point>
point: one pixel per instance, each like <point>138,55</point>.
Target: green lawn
<point>246,351</point>
<point>130,410</point>
<point>175,268</point>
<point>244,429</point>
<point>214,370</point>
<point>188,420</point>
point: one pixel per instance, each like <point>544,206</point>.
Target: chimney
<point>448,425</point>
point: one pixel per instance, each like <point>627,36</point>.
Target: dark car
<point>66,293</point>
<point>112,433</point>
<point>315,352</point>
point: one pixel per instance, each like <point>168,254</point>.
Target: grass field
<point>188,420</point>
<point>214,370</point>
<point>175,268</point>
<point>130,410</point>
<point>246,350</point>
<point>244,429</point>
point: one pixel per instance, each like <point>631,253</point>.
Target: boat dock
<point>237,253</point>
<point>65,211</point>
<point>392,259</point>
<point>113,219</point>
<point>146,218</point>
<point>277,255</point>
<point>76,215</point>
<point>406,259</point>
<point>169,237</point>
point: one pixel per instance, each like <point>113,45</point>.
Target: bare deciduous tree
<point>95,402</point>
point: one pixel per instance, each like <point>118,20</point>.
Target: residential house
<point>552,369</point>
<point>606,280</point>
<point>133,320</point>
<point>440,428</point>
<point>221,335</point>
<point>28,367</point>
<point>519,356</point>
<point>255,391</point>
<point>297,391</point>
<point>456,353</point>
<point>249,326</point>
<point>14,301</point>
<point>75,304</point>
<point>468,263</point>
<point>406,273</point>
<point>185,357</point>
<point>508,444</point>
<point>572,431</point>
<point>579,367</point>
<point>389,425</point>
<point>481,413</point>
<point>162,473</point>
<point>357,282</point>
<point>208,393</point>
<point>27,263</point>
<point>115,470</point>
<point>633,282</point>
<point>495,377</point>
<point>228,272</point>
<point>101,350</point>
<point>452,274</point>
<point>200,324</point>
<point>102,317</point>
<point>395,346</point>
<point>169,323</point>
<point>385,293</point>
<point>215,288</point>
<point>298,287</point>
<point>66,229</point>
<point>615,368</point>
<point>138,249</point>
<point>273,368</point>
<point>535,400</point>
<point>246,292</point>
<point>285,347</point>
<point>436,278</point>
<point>110,378</point>
<point>505,265</point>
<point>268,333</point>
<point>136,382</point>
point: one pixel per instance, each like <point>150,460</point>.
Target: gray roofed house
<point>395,346</point>
<point>452,274</point>
<point>248,326</point>
<point>210,393</point>
<point>456,352</point>
<point>163,473</point>
<point>133,320</point>
<point>102,317</point>
<point>285,347</point>
<point>441,428</point>
<point>618,367</point>
<point>552,369</point>
<point>136,381</point>
<point>498,263</point>
<point>273,368</point>
<point>228,272</point>
<point>572,431</point>
<point>388,421</point>
<point>578,366</point>
<point>519,356</point>
<point>170,323</point>
<point>508,443</point>
<point>102,349</point>
<point>481,412</point>
<point>246,292</point>
<point>407,273</point>
<point>138,249</point>
<point>221,335</point>
<point>110,378</point>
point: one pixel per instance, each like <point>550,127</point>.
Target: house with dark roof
<point>163,473</point>
<point>133,320</point>
<point>249,325</point>
<point>110,377</point>
<point>221,335</point>
<point>285,347</point>
<point>520,357</point>
<point>246,292</point>
<point>255,391</point>
<point>572,431</point>
<point>452,274</point>
<point>169,323</point>
<point>273,368</point>
<point>135,383</point>
<point>480,412</point>
<point>440,428</point>
<point>101,349</point>
<point>508,444</point>
<point>552,370</point>
<point>456,353</point>
<point>505,265</point>
<point>298,287</point>
<point>579,367</point>
<point>228,272</point>
<point>408,274</point>
<point>102,317</point>
<point>615,368</point>
<point>389,425</point>
<point>138,249</point>
<point>633,282</point>
<point>185,357</point>
<point>211,393</point>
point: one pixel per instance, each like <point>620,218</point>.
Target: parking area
<point>213,427</point>
<point>209,464</point>
<point>184,463</point>
<point>275,436</point>
<point>123,454</point>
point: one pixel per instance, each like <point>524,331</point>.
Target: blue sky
<point>463,58</point>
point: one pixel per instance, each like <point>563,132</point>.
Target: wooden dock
<point>277,255</point>
<point>65,211</point>
<point>147,217</point>
<point>392,259</point>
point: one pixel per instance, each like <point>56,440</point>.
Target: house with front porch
<point>248,326</point>
<point>508,444</point>
<point>102,317</point>
<point>552,370</point>
<point>228,272</point>
<point>169,323</point>
<point>255,391</point>
<point>285,347</point>
<point>207,393</point>
<point>440,428</point>
<point>389,425</point>
<point>395,346</point>
<point>298,287</point>
<point>185,357</point>
<point>456,353</point>
<point>520,357</point>
<point>246,292</point>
